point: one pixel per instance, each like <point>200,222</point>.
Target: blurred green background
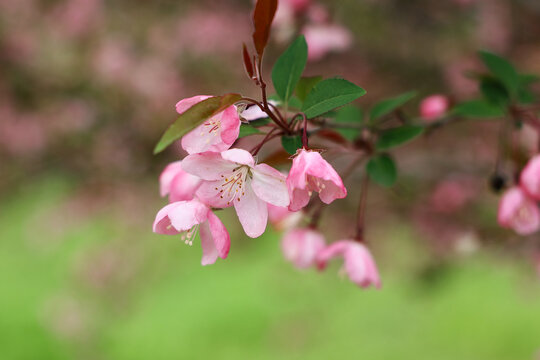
<point>88,86</point>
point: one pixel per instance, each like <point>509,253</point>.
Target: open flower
<point>310,172</point>
<point>530,178</point>
<point>519,212</point>
<point>358,262</point>
<point>177,183</point>
<point>301,246</point>
<point>433,107</point>
<point>217,133</point>
<point>232,178</point>
<point>188,217</point>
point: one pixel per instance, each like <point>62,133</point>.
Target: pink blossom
<point>187,217</point>
<point>301,246</point>
<point>232,178</point>
<point>282,218</point>
<point>177,183</point>
<point>433,107</point>
<point>322,39</point>
<point>358,262</point>
<point>519,212</point>
<point>452,195</point>
<point>530,178</point>
<point>216,134</point>
<point>310,172</point>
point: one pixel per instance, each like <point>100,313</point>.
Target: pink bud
<point>519,212</point>
<point>433,107</point>
<point>301,246</point>
<point>530,178</point>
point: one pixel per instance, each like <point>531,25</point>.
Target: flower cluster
<point>215,176</point>
<point>518,208</point>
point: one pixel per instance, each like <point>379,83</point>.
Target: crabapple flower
<point>301,246</point>
<point>358,262</point>
<point>310,172</point>
<point>325,38</point>
<point>433,107</point>
<point>232,178</point>
<point>254,112</point>
<point>217,133</point>
<point>177,183</point>
<point>519,212</point>
<point>282,218</point>
<point>188,217</point>
<point>530,178</point>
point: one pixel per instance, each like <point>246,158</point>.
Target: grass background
<point>154,300</point>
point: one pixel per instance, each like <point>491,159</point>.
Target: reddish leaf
<point>262,20</point>
<point>279,157</point>
<point>247,62</point>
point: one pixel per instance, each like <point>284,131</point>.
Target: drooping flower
<point>217,133</point>
<point>301,246</point>
<point>282,218</point>
<point>530,178</point>
<point>232,178</point>
<point>433,107</point>
<point>177,183</point>
<point>358,262</point>
<point>310,172</point>
<point>325,38</point>
<point>188,217</point>
<point>519,212</point>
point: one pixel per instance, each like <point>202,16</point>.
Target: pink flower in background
<point>519,212</point>
<point>322,39</point>
<point>297,5</point>
<point>310,172</point>
<point>452,195</point>
<point>177,183</point>
<point>232,178</point>
<point>433,107</point>
<point>301,246</point>
<point>187,217</point>
<point>77,17</point>
<point>282,218</point>
<point>216,134</point>
<point>530,178</point>
<point>358,262</point>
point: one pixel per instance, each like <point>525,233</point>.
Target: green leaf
<point>387,106</point>
<point>398,136</point>
<point>246,130</point>
<point>305,85</point>
<point>478,108</point>
<point>289,68</point>
<point>194,116</point>
<point>494,91</point>
<point>382,170</point>
<point>291,143</point>
<point>502,69</point>
<point>330,94</point>
<point>349,115</point>
<point>295,103</point>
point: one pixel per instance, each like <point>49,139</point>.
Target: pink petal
<point>230,126</point>
<point>299,199</point>
<point>201,139</point>
<point>207,165</point>
<point>239,156</point>
<point>519,212</point>
<point>210,253</point>
<point>209,194</point>
<point>360,266</point>
<point>332,191</point>
<point>433,107</point>
<point>301,246</point>
<point>252,213</point>
<point>185,104</point>
<point>222,241</point>
<point>162,223</point>
<point>270,185</point>
<point>530,178</point>
<point>167,176</point>
<point>187,214</point>
<point>335,249</point>
<point>183,187</point>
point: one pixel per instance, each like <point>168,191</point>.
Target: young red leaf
<point>248,66</point>
<point>262,20</point>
